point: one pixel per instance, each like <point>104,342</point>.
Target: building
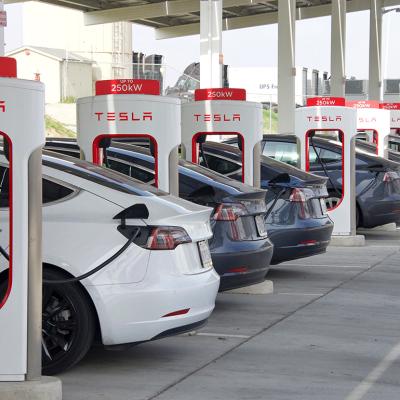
<point>66,75</point>
<point>109,46</point>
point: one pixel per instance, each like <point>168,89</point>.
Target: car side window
<point>52,191</point>
<point>123,168</point>
<point>187,186</point>
<point>282,151</point>
<point>4,186</point>
<point>131,170</point>
<point>326,156</point>
<point>220,165</point>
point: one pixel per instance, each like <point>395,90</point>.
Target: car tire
<point>68,323</point>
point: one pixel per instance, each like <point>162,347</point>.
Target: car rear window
<point>99,175</point>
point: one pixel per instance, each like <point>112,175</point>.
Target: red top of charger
<point>8,67</point>
<point>128,86</point>
<point>220,94</point>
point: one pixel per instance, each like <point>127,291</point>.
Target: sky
<point>259,44</point>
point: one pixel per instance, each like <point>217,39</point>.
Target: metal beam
<point>375,44</point>
<point>155,10</point>
<point>286,65</point>
<point>267,18</point>
<point>82,5</point>
<point>338,48</point>
<point>210,43</point>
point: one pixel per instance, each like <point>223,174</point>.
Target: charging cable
<point>99,267</point>
<point>89,273</point>
<point>324,167</point>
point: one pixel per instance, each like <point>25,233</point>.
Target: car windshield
<point>99,175</point>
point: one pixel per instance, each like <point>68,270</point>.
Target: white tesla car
<point>162,284</point>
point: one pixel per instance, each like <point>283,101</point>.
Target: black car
<point>240,248</point>
<point>297,224</point>
<point>377,179</point>
<point>394,143</point>
<point>370,148</point>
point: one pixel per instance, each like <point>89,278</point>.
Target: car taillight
<point>229,212</point>
<point>298,196</point>
<point>167,238</point>
<point>390,176</point>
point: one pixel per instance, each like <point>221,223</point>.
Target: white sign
<point>3,18</point>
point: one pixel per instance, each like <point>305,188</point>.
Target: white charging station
<point>22,129</point>
<point>373,119</point>
<point>394,109</point>
<point>225,112</point>
<point>133,108</point>
<point>329,114</point>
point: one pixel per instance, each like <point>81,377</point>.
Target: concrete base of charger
<point>48,388</point>
<point>348,241</point>
<point>266,287</point>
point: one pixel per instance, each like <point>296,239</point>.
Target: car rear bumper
<point>381,212</point>
<point>246,266</point>
<point>131,313</point>
<point>303,240</point>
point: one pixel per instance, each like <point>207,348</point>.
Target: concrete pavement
<point>331,323</point>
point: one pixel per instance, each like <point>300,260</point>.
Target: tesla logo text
<point>366,120</point>
<point>216,117</point>
<point>324,118</point>
<point>2,106</point>
<point>124,116</point>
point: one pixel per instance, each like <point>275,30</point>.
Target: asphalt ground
<point>330,330</point>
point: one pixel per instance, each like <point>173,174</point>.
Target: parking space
<point>330,331</point>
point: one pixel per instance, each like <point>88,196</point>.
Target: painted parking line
<point>300,294</point>
<point>224,335</point>
<point>362,389</point>
<point>324,266</point>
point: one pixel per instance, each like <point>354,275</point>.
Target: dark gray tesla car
<point>370,148</point>
<point>297,224</point>
<point>240,248</point>
<point>377,179</point>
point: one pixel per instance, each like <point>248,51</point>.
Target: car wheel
<point>68,324</point>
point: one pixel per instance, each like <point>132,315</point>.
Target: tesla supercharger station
<point>23,133</point>
<point>133,108</point>
<point>329,114</point>
<point>223,112</point>
<point>371,118</point>
<point>394,109</point>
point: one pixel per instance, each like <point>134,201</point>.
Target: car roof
<point>195,171</point>
<point>143,157</point>
<point>97,174</point>
<point>233,153</point>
